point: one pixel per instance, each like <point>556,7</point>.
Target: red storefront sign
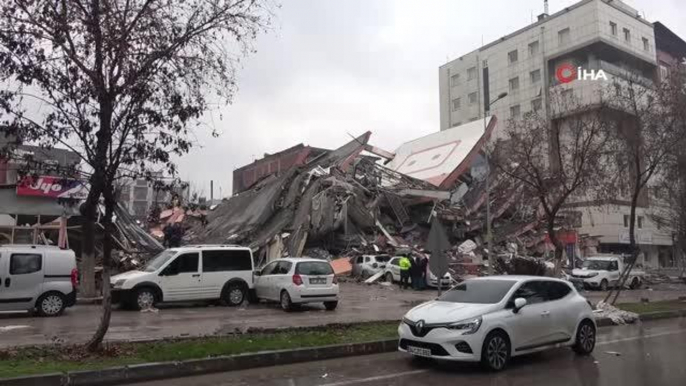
<point>54,187</point>
<point>565,237</point>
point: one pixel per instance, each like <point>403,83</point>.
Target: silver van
<point>37,277</point>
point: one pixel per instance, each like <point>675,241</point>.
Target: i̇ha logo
<point>567,73</point>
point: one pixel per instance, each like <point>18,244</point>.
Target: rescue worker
<point>405,265</point>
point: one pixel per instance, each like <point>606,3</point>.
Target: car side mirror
<point>519,303</point>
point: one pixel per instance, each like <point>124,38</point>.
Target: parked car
<point>392,274</point>
<point>189,273</point>
<point>492,319</point>
<point>37,277</point>
<point>602,272</point>
<point>369,265</point>
<point>296,281</point>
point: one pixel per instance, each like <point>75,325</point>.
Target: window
<point>158,261</point>
<point>513,57</point>
<point>564,37</point>
<point>314,268</point>
<point>557,290</point>
<point>367,259</point>
<point>140,193</point>
<point>25,263</point>
<point>640,222</point>
<point>455,80</point>
<point>483,291</point>
<point>456,104</point>
<point>188,262</point>
<point>627,35</point>
<point>613,28</point>
<point>471,73</point>
<point>395,261</point>
<point>534,292</point>
<point>534,48</point>
<point>226,260</point>
<point>536,104</point>
<point>514,84</point>
<point>269,268</point>
<point>360,260</point>
<point>472,98</point>
<point>646,44</point>
<point>614,266</point>
<point>626,221</point>
<point>484,64</point>
<point>282,268</point>
<point>515,111</point>
<point>535,76</point>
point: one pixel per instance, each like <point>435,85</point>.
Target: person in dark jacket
<point>423,264</point>
<point>415,273</point>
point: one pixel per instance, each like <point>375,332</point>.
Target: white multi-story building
<point>592,35</point>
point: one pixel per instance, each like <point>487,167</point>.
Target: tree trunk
<point>559,248</point>
<point>87,286</point>
<point>632,247</point>
<point>96,340</point>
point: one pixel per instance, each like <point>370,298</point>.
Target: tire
<point>234,295</point>
<point>495,353</point>
<point>635,283</point>
<point>252,297</point>
<point>365,275</point>
<point>286,303</point>
<point>585,338</point>
<point>144,298</point>
<point>603,285</point>
<point>389,277</point>
<point>330,306</point>
<point>51,304</point>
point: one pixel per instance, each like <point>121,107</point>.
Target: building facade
<point>564,54</point>
<point>140,195</point>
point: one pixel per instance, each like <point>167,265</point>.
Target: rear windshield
<point>478,291</point>
<point>383,259</point>
<point>313,268</point>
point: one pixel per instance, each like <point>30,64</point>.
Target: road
<point>359,303</point>
<point>652,353</point>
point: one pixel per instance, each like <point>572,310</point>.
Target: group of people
<point>413,271</point>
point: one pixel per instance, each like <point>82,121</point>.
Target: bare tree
<point>120,82</point>
<point>645,123</point>
<point>555,156</point>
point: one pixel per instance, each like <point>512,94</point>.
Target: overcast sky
<point>333,68</point>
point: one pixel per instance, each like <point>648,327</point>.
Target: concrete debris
<point>374,278</point>
<point>604,310</point>
<point>467,247</point>
<point>615,353</point>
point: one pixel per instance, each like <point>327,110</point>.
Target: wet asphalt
<point>650,353</point>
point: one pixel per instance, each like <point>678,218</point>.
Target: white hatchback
<point>491,319</point>
<point>295,281</point>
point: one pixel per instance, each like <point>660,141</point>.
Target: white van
<point>189,273</point>
<point>37,277</point>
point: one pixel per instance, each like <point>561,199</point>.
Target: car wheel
<point>389,277</point>
<point>145,299</point>
<point>233,295</point>
<point>286,303</point>
<point>51,304</point>
<point>635,283</point>
<point>330,306</point>
<point>603,285</point>
<point>495,353</point>
<point>585,338</point>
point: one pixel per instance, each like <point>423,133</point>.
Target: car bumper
<point>443,344</point>
<point>308,295</point>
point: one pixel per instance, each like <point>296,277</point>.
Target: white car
<point>366,266</point>
<point>295,281</point>
<point>491,319</point>
<point>189,273</point>
<point>37,277</point>
<point>602,272</point>
<point>392,274</point>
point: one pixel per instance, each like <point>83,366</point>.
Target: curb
<point>162,370</point>
<point>662,315</point>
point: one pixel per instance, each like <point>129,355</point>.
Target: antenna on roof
<point>545,7</point>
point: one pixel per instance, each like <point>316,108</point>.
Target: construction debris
<point>617,316</point>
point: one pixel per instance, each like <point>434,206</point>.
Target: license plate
<point>318,280</point>
<point>422,352</point>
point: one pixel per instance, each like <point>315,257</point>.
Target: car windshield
<point>478,291</point>
<point>313,268</point>
<point>601,265</point>
<point>159,260</point>
<point>383,259</point>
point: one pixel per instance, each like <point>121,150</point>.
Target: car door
<point>395,268</point>
<point>263,282</point>
<point>181,278</point>
<point>530,326</point>
<point>563,313</point>
<point>614,273</point>
<point>281,278</point>
<point>21,280</point>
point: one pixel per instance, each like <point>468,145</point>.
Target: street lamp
<point>489,234</point>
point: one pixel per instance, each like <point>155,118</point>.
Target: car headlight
<point>119,283</point>
<point>468,326</point>
<point>594,274</point>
